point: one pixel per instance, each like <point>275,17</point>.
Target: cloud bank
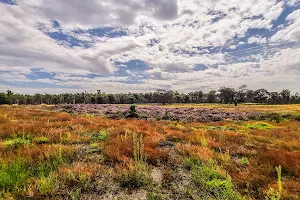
<point>143,45</point>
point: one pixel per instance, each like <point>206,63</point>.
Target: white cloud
<point>171,36</point>
<point>292,31</point>
<point>258,40</point>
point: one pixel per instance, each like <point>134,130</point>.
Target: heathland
<point>196,151</point>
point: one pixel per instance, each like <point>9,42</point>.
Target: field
<point>150,152</point>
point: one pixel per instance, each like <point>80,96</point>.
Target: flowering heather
<point>183,114</point>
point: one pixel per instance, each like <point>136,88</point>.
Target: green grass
<point>137,178</point>
<point>42,140</point>
<point>17,142</point>
<point>259,126</point>
<point>47,184</point>
<point>244,161</point>
<point>209,182</point>
<point>220,128</point>
<point>14,175</point>
<point>100,136</point>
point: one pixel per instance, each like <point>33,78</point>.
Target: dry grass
<point>47,133</point>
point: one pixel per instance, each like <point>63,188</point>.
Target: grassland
<point>56,155</point>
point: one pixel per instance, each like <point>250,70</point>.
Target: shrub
<point>132,112</point>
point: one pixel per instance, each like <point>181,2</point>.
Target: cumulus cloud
<point>171,36</point>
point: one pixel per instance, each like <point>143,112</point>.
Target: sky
<point>119,46</point>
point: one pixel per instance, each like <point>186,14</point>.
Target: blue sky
<point>144,45</point>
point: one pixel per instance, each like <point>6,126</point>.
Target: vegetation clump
<point>13,175</point>
<point>137,175</point>
<point>16,141</point>
<point>209,181</point>
<point>132,112</point>
<point>42,140</point>
<point>259,126</point>
<point>100,136</point>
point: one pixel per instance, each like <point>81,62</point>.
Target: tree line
<point>224,95</point>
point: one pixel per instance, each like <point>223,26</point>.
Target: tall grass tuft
<point>274,194</point>
<point>138,175</point>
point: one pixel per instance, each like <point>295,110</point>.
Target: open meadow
<point>196,151</point>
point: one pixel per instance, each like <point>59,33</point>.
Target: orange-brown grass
<point>35,153</point>
<point>88,169</point>
<point>120,145</point>
<point>264,149</point>
<point>195,151</point>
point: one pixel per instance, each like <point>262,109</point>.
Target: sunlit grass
<point>41,150</point>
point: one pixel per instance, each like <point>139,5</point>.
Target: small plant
<point>274,194</point>
<point>95,145</point>
<point>166,116</point>
<point>279,182</point>
<point>135,178</point>
<point>244,161</point>
<point>225,157</point>
<point>100,136</point>
<point>138,148</point>
<point>154,196</point>
<point>203,141</point>
<point>89,116</point>
<point>180,126</point>
<point>76,180</point>
<point>75,194</point>
<point>47,185</point>
<point>42,140</point>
